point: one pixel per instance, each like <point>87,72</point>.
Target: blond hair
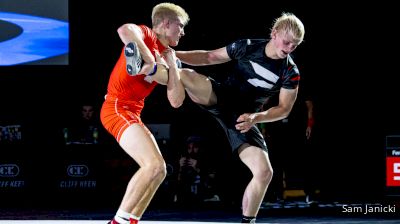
<point>168,10</point>
<point>289,23</point>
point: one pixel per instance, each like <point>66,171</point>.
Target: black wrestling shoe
<point>133,59</point>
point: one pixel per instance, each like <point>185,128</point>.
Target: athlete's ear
<point>166,23</point>
<point>273,33</point>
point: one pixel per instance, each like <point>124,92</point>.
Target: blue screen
<point>34,32</point>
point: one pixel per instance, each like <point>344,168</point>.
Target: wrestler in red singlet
<point>125,94</point>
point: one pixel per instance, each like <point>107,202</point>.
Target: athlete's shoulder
<point>256,41</point>
<point>248,42</point>
<point>147,31</point>
<point>143,26</point>
<point>290,61</point>
<point>244,47</point>
<point>292,67</point>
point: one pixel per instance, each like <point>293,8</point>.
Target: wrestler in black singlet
<point>254,80</point>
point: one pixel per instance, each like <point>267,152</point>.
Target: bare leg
<point>258,162</point>
<point>144,201</point>
<point>161,76</point>
<point>198,87</point>
<point>142,147</point>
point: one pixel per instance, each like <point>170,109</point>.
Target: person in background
<point>294,163</point>
<point>196,179</point>
<point>189,173</point>
<point>86,129</point>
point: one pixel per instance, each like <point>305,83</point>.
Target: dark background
<point>348,56</point>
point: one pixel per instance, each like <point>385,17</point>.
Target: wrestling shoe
<point>133,58</point>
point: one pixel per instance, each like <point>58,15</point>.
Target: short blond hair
<point>168,10</point>
<point>288,22</point>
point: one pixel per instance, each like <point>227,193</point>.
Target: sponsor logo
<point>79,170</point>
<point>9,170</point>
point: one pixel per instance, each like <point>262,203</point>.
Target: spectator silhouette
<point>86,129</point>
<point>196,180</point>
